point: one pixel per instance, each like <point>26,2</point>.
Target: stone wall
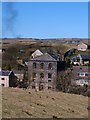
<point>42,81</point>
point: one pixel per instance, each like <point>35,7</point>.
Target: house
<point>2,50</point>
<point>36,53</point>
<point>7,78</point>
<point>42,71</point>
<point>83,47</point>
<point>81,75</point>
<point>81,59</point>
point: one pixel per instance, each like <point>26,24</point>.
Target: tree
<point>8,67</point>
<point>25,79</point>
<point>63,81</point>
<point>68,61</point>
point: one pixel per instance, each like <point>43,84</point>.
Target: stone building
<point>42,71</point>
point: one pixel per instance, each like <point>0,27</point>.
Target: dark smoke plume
<point>10,15</point>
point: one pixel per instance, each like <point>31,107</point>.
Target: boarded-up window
<point>50,66</point>
<point>42,65</point>
<point>34,65</point>
<point>41,75</point>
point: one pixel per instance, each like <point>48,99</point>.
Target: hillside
<point>18,103</point>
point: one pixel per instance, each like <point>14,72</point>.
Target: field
<point>19,103</point>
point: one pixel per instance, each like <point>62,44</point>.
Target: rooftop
<point>5,73</point>
<point>84,57</point>
<point>44,57</point>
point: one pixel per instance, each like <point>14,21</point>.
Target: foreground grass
<point>18,103</point>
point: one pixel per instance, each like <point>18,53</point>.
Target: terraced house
<point>42,71</point>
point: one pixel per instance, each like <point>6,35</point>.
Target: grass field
<point>19,103</point>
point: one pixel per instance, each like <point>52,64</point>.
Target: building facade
<point>6,78</point>
<point>42,72</point>
<point>81,75</point>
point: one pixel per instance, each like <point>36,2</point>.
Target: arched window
<point>49,75</point>
<point>34,65</point>
<point>50,66</point>
<point>42,65</point>
<point>41,75</point>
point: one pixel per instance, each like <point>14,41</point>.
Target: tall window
<point>42,65</point>
<point>41,75</point>
<point>50,66</point>
<point>34,65</point>
<point>49,75</point>
<point>34,75</point>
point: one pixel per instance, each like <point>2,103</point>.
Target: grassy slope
<point>21,103</point>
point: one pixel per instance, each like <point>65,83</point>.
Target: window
<point>33,86</point>
<point>2,84</point>
<point>49,80</point>
<point>49,87</point>
<point>34,75</point>
<point>34,65</point>
<point>41,75</point>
<point>82,74</point>
<point>42,65</point>
<point>50,66</point>
<point>49,75</point>
<point>3,78</point>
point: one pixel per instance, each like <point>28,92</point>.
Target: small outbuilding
<point>7,79</point>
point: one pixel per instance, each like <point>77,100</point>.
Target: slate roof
<point>5,73</point>
<point>85,57</point>
<point>54,55</point>
<point>44,57</point>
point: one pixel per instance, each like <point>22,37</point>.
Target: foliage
<point>64,84</point>
<point>8,67</point>
<point>78,89</point>
<point>68,61</point>
<point>63,81</point>
<point>13,81</point>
